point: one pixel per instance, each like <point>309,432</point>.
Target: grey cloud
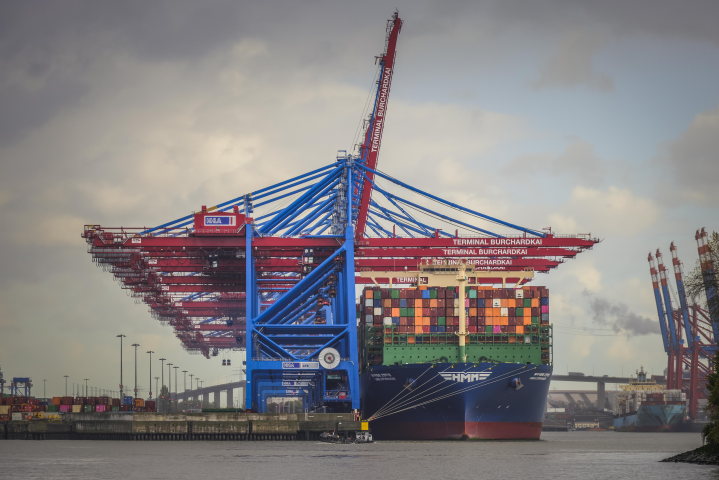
<point>693,160</point>
<point>578,160</point>
<point>572,66</point>
<point>619,317</point>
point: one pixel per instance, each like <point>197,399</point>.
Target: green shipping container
<point>535,320</point>
<point>441,321</point>
<point>473,294</point>
<point>53,408</point>
<point>115,408</point>
<point>395,293</point>
<point>410,312</point>
<point>89,408</point>
<point>402,312</point>
<point>377,294</point>
<point>527,303</point>
<point>433,293</point>
<point>519,312</point>
<point>488,329</point>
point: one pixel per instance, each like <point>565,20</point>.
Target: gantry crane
<point>275,271</point>
<point>694,357</point>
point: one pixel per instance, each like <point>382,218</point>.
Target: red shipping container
<point>472,329</point>
<point>425,328</point>
<point>410,321</point>
<point>433,321</point>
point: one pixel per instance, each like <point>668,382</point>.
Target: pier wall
<point>221,426</point>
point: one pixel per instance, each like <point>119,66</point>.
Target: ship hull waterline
<point>451,402</point>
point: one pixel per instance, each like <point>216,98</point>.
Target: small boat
<point>360,437</point>
<point>363,437</point>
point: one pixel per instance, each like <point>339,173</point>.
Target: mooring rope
<point>405,387</point>
<point>503,376</point>
<point>424,393</point>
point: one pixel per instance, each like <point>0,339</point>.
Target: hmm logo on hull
<point>217,221</point>
<point>465,377</point>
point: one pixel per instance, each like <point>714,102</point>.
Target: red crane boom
<point>373,134</point>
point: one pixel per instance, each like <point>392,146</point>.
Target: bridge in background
<point>602,382</point>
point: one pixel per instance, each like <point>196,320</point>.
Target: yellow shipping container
<point>76,408</point>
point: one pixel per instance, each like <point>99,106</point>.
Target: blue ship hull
<point>433,402</point>
<point>652,418</point>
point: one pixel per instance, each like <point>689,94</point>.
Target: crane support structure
<point>660,308</point>
<point>275,272</point>
<point>707,268</point>
<point>688,367</point>
<point>682,296</point>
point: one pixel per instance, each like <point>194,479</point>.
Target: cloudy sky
<point>589,117</point>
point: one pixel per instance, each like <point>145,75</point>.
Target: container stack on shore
<point>21,408</point>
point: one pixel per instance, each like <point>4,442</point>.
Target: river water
<point>559,455</point>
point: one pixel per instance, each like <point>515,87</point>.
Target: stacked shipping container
<point>28,405</point>
<point>436,310</point>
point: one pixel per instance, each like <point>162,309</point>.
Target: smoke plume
<point>619,317</point>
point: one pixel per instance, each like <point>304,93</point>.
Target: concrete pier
<point>221,426</point>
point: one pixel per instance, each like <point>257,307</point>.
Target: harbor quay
<point>217,426</point>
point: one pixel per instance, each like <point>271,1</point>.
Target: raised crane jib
<point>373,135</point>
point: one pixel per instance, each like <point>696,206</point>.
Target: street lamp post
<point>135,345</point>
<point>162,375</point>
<point>66,384</point>
<point>150,352</point>
<point>184,384</point>
<point>198,388</point>
<point>121,386</point>
<point>169,387</point>
<point>86,379</point>
<point>194,398</point>
<point>175,387</point>
<point>44,395</point>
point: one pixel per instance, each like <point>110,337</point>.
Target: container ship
<point>424,377</point>
<point>644,406</point>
